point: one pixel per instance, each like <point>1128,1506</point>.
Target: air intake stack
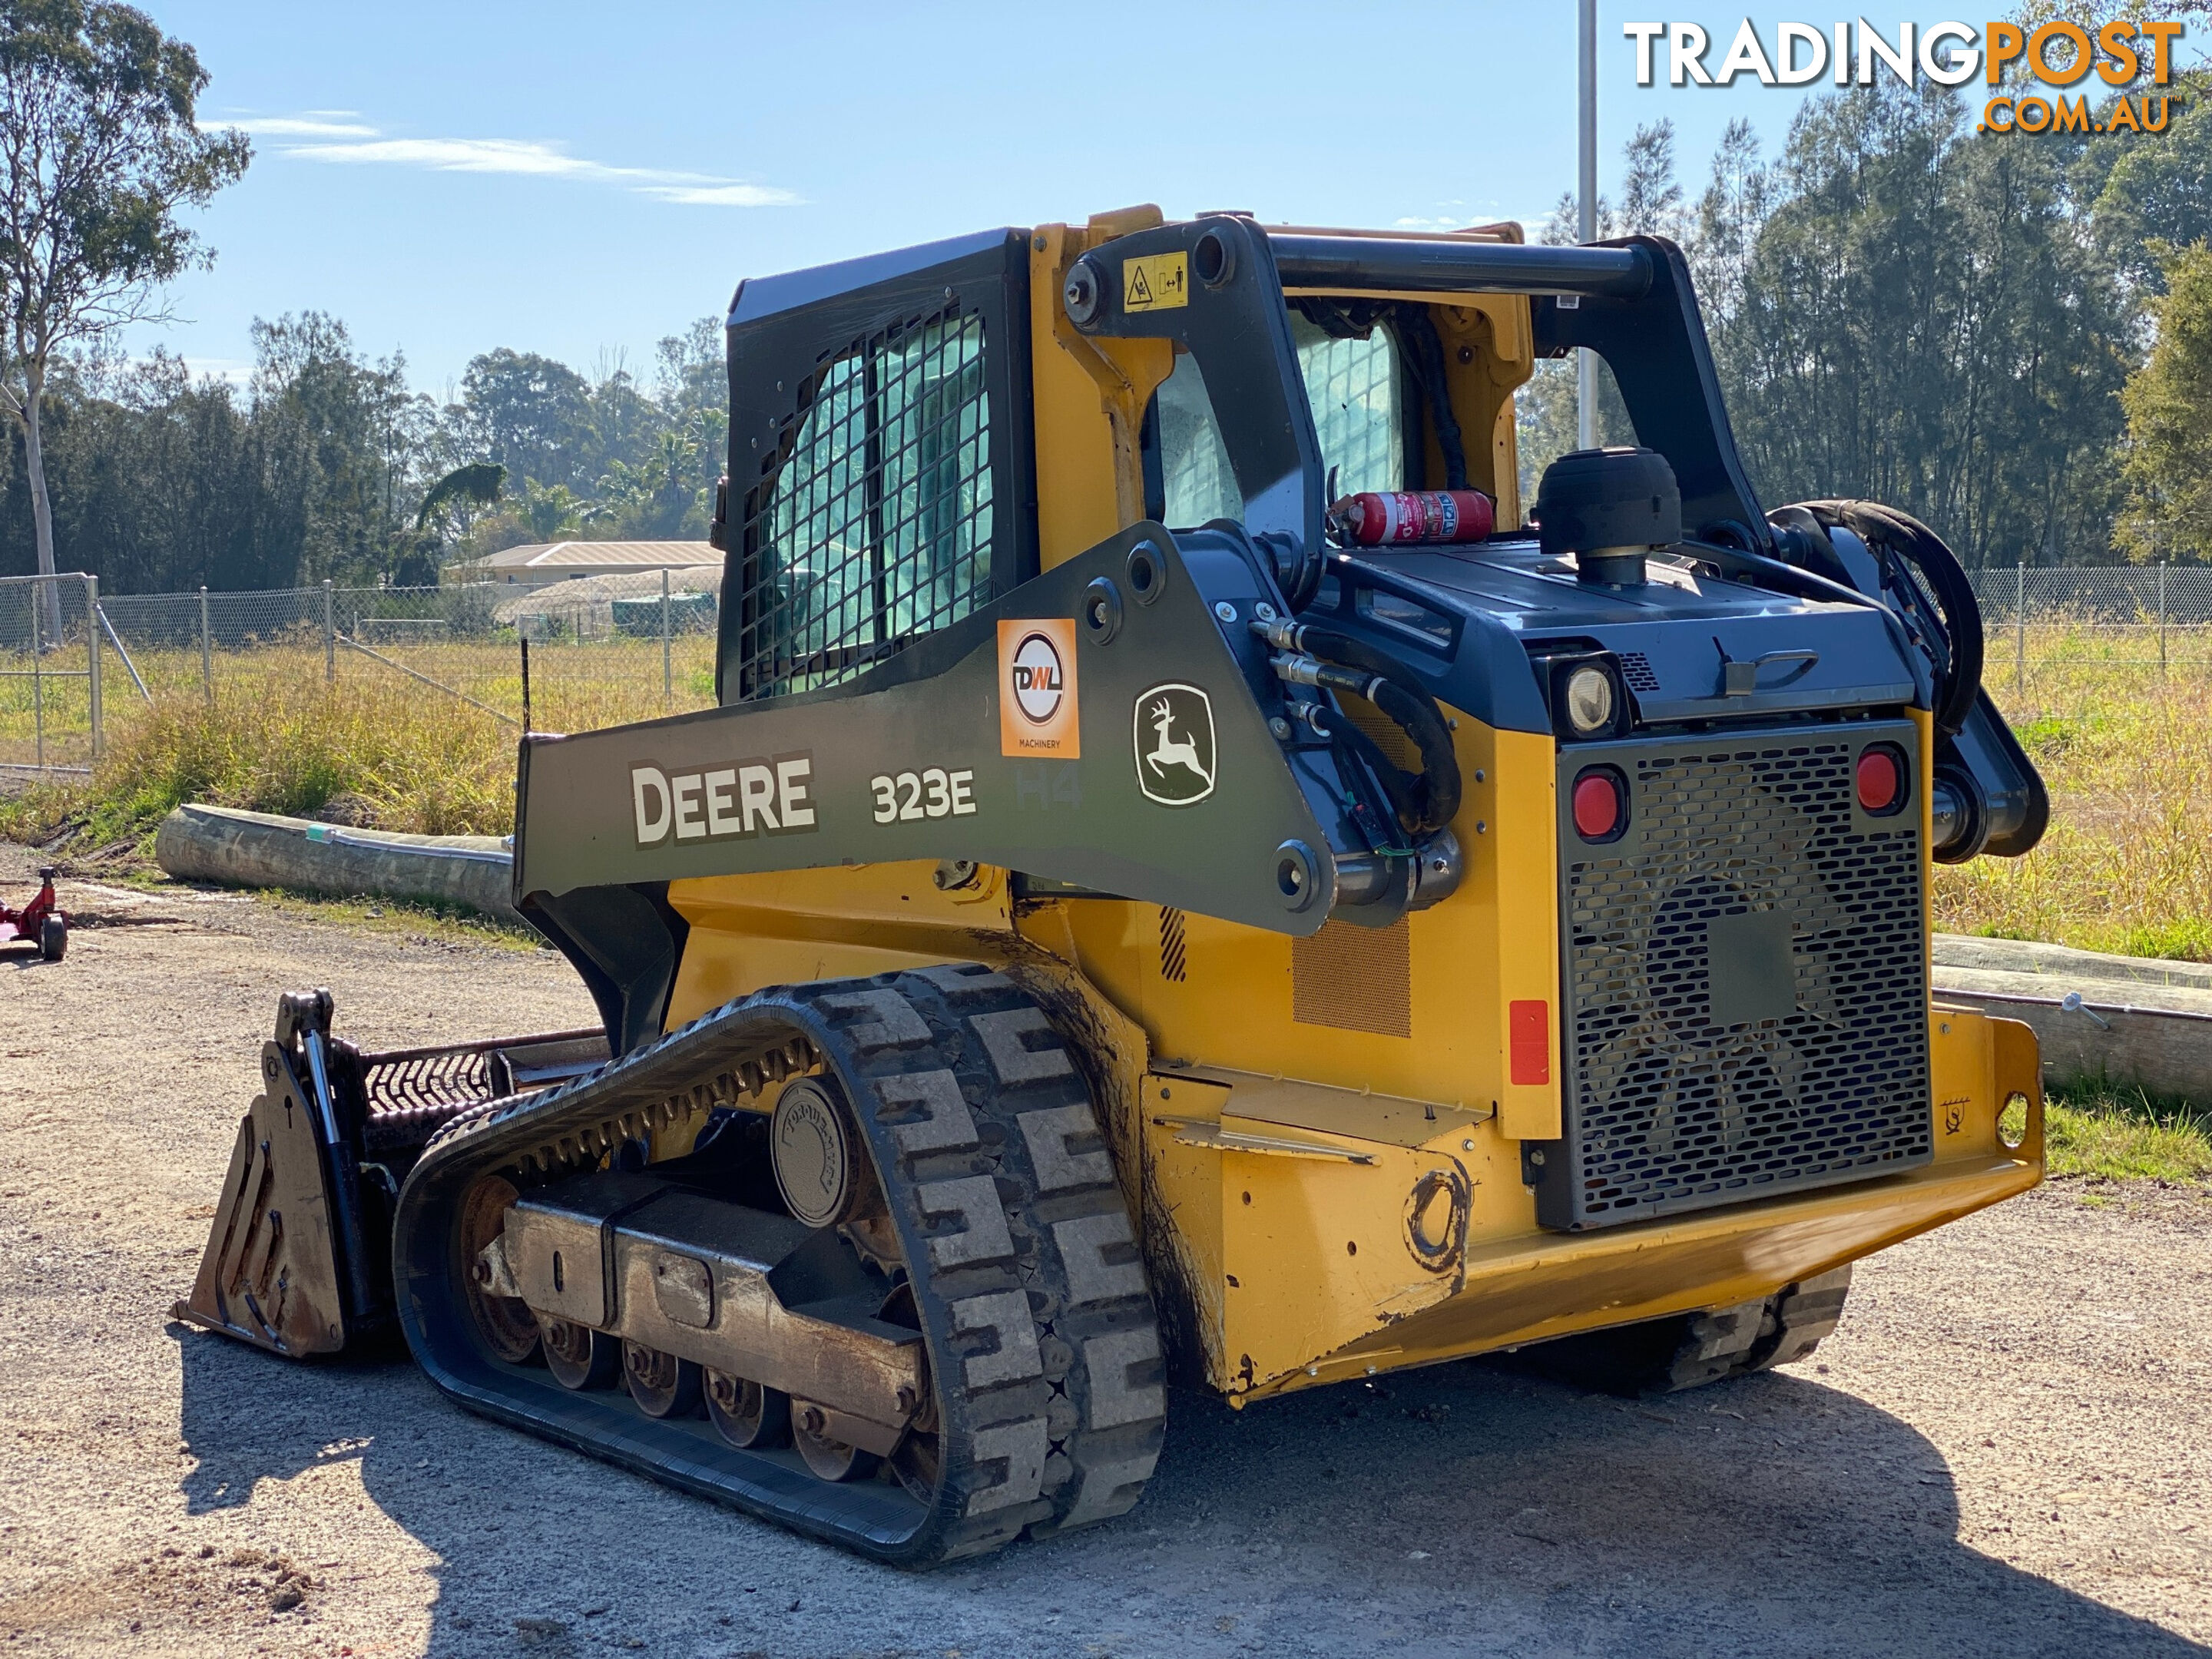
<point>1609,508</point>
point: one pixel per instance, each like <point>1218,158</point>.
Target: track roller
<point>747,1414</point>
<point>910,1302</point>
<point>578,1356</point>
<point>662,1384</point>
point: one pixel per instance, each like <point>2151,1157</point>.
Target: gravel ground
<point>2007,1449</point>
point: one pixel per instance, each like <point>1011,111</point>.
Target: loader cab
<point>889,417</point>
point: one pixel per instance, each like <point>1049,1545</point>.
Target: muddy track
<point>2006,1448</point>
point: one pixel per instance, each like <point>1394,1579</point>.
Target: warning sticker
<point>1158,281</point>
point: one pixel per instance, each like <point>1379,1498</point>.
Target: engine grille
<point>1745,975</point>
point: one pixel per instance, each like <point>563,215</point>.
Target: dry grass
<point>2127,755</point>
<point>280,737</point>
<point>2127,864</point>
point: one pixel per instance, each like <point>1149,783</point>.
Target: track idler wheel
<point>662,1384</point>
<point>578,1356</point>
<point>748,1416</point>
<point>509,1329</point>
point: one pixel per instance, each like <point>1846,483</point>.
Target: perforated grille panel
<point>1356,979</point>
<point>1635,669</point>
<point>1745,981</point>
<point>877,529</point>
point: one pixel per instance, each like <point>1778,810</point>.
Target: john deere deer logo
<point>1173,745</point>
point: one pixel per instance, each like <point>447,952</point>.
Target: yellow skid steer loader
<point>1189,877</point>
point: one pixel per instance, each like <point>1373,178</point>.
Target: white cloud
<point>722,195</point>
<point>275,126</point>
<point>354,144</point>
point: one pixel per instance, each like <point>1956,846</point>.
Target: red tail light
<point>1599,810</point>
<point>1880,781</point>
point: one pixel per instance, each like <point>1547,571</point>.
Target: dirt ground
<point>2006,1449</point>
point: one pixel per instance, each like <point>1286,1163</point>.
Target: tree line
<point>2010,338</point>
<point>321,464</point>
<point>1976,329</point>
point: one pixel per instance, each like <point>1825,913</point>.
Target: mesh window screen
<point>1352,385</point>
<point>877,527</point>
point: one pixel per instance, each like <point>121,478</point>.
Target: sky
<point>582,180</point>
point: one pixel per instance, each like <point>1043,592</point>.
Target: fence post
<point>329,637</point>
<point>526,680</point>
<point>92,657</point>
<point>38,671</point>
<point>667,668</point>
<point>2020,629</point>
<point>2161,619</point>
<point>207,652</point>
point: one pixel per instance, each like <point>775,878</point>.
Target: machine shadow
<point>1493,1511</point>
<point>249,1416</point>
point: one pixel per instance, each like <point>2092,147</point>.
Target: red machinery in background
<point>40,922</point>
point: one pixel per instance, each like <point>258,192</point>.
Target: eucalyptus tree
<point>100,147</point>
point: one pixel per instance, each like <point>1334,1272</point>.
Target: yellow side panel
<point>1313,1255</point>
<point>1492,943</point>
<point>1182,1194</point>
<point>790,926</point>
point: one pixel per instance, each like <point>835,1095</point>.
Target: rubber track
<point>1043,1344</point>
<point>1688,1351</point>
<point>1756,1336</point>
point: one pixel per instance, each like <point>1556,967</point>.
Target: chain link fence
<point>2154,619</point>
<point>570,656</point>
<point>50,672</point>
<point>601,651</point>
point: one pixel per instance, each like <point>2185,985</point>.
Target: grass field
<point>2127,864</point>
<point>2127,756</point>
<point>2103,1134</point>
<point>277,736</point>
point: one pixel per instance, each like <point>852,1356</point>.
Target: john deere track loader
<point>1189,879</point>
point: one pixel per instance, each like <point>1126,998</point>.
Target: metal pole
<point>1586,220</point>
<point>2020,629</point>
<point>207,652</point>
<point>116,640</point>
<point>667,660</point>
<point>2161,619</point>
<point>525,682</point>
<point>38,673</point>
<point>329,637</point>
<point>92,656</point>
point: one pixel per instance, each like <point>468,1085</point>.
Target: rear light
<point>1600,802</point>
<point>1882,780</point>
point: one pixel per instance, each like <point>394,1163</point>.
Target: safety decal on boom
<point>1158,281</point>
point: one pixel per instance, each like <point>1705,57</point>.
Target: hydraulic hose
<point>1343,662</point>
<point>1954,617</point>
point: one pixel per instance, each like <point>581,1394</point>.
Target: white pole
<point>1586,228</point>
<point>92,657</point>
